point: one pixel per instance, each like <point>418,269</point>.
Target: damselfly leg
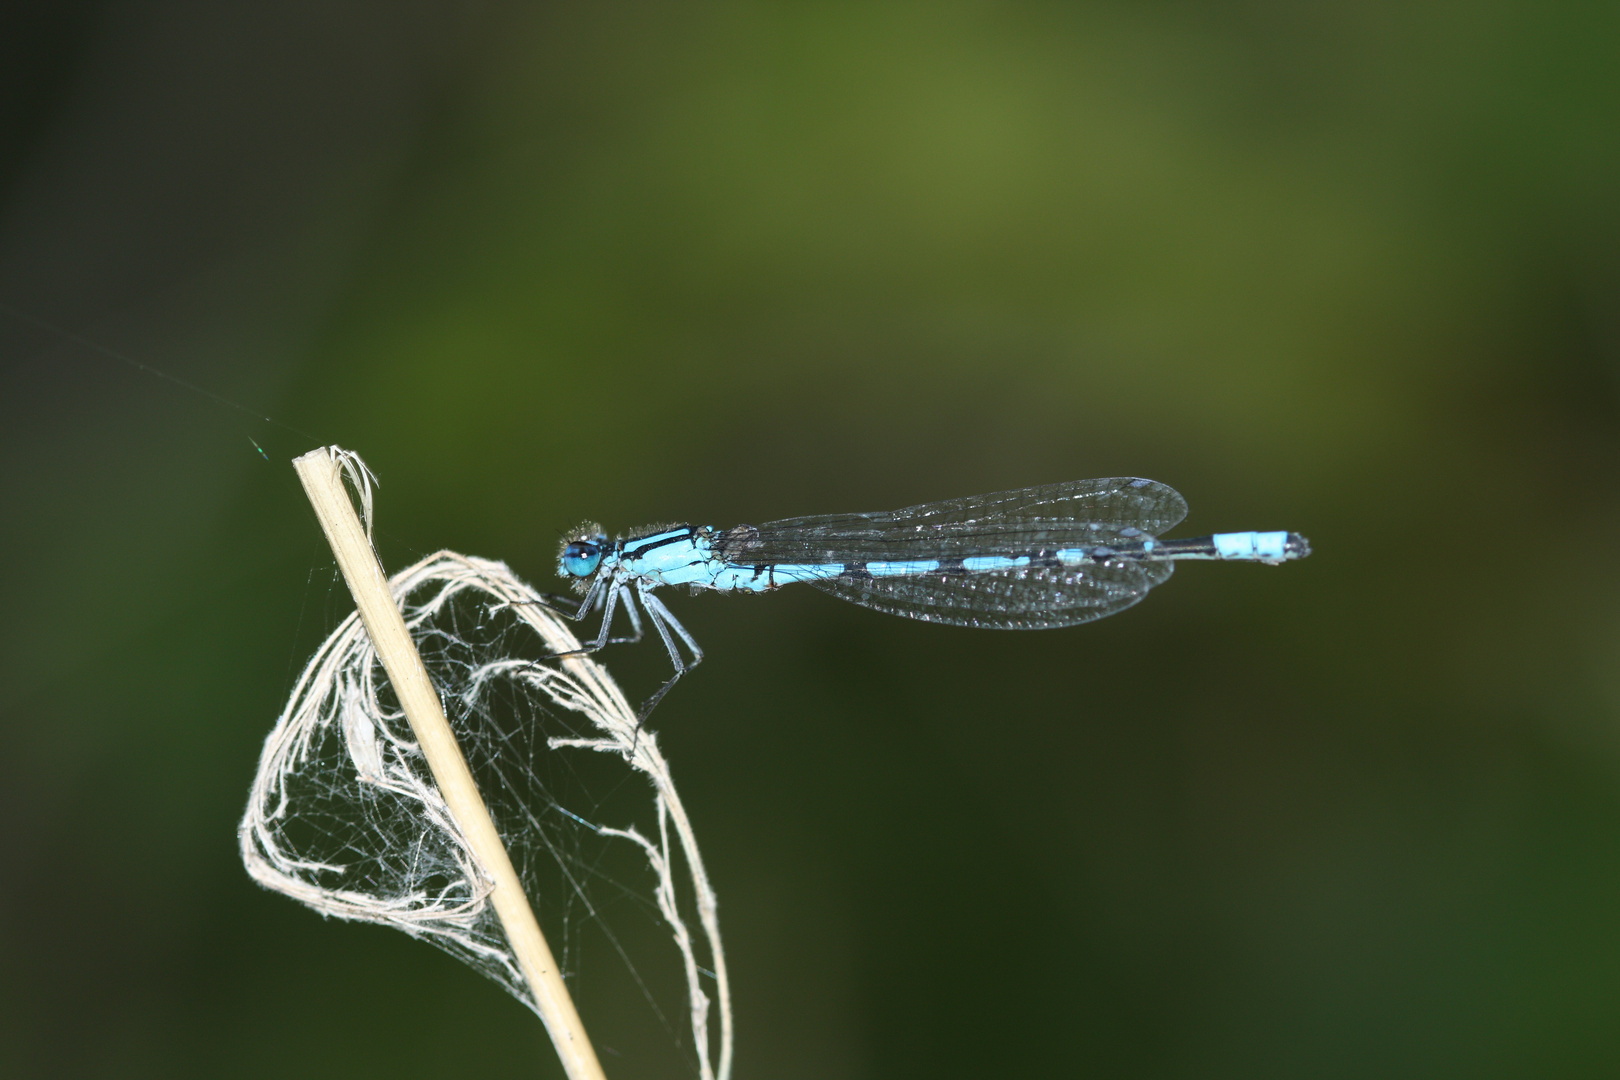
<point>608,598</point>
<point>664,622</point>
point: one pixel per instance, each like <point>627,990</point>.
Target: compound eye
<point>581,558</point>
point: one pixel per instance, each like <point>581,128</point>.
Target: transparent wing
<point>1003,523</point>
<point>1034,598</point>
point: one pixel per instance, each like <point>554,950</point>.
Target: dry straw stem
<point>321,472</point>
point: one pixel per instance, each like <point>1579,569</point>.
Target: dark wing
<point>1005,523</point>
<point>1028,598</point>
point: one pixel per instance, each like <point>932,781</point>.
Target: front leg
<point>561,604</point>
<point>609,606</point>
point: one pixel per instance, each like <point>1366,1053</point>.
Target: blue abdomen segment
<point>1252,546</point>
<point>903,568</point>
<point>984,564</point>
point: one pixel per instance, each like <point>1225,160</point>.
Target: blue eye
<point>581,558</point>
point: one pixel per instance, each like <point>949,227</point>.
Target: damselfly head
<point>579,558</point>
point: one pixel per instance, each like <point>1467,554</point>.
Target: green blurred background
<point>1345,268</point>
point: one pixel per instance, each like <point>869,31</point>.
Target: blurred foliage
<point>1350,269</point>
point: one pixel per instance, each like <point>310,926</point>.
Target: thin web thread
<point>344,817</point>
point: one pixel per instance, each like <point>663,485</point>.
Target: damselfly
<point>1031,559</point>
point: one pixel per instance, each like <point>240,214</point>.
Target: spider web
<point>344,816</point>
